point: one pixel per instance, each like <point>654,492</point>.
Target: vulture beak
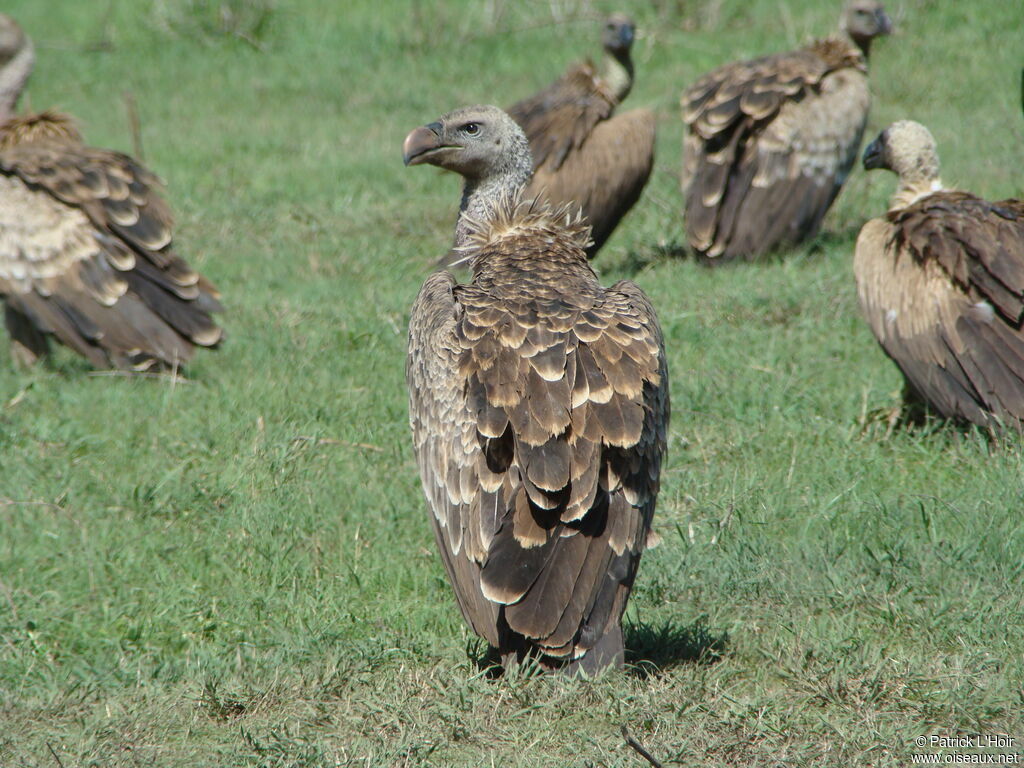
<point>873,155</point>
<point>421,142</point>
<point>626,36</point>
<point>884,22</point>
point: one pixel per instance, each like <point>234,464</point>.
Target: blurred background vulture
<point>769,142</point>
<point>538,402</point>
<point>85,243</point>
<point>582,152</point>
<point>941,283</point>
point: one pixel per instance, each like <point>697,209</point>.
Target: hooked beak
<point>420,143</point>
<point>873,155</point>
<point>626,36</point>
<point>884,23</point>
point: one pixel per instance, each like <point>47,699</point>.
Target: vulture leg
<point>27,343</point>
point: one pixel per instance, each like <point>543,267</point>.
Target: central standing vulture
<point>941,283</point>
<point>539,406</point>
<point>85,243</point>
<point>769,142</point>
<point>582,152</point>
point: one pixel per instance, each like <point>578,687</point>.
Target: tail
<point>150,326</point>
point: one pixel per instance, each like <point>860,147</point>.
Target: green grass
<point>237,570</point>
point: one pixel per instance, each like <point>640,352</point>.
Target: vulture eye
<point>471,129</point>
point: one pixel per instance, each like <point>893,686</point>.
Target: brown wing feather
<point>86,255</point>
<point>769,144</point>
<point>557,510</point>
<point>605,175</point>
<point>941,283</point>
<point>560,118</point>
<point>978,243</point>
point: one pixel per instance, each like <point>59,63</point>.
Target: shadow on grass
<point>636,260</point>
<point>916,420</point>
<point>811,249</point>
<point>652,649</point>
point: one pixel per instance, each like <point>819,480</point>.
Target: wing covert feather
<point>769,144</point>
<point>553,522</point>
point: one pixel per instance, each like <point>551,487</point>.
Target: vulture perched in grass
<point>85,243</point>
<point>769,142</point>
<point>941,282</point>
<point>582,152</point>
<point>538,401</point>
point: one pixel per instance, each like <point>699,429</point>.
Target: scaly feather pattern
<point>769,142</point>
<point>539,408</point>
<point>86,254</point>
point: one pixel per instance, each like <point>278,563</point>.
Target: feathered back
<point>86,254</point>
<point>539,405</point>
<point>978,244</point>
<point>558,119</point>
<point>769,144</point>
<point>583,152</point>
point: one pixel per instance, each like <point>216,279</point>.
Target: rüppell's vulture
<point>941,282</point>
<point>583,152</point>
<point>539,407</point>
<point>769,142</point>
<point>85,243</point>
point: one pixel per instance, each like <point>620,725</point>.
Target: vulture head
<point>478,143</point>
<point>619,31</point>
<point>864,20</point>
<point>907,149</point>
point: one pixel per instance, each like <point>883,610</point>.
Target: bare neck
<point>912,189</point>
<point>13,78</point>
<point>617,72</point>
<point>481,195</point>
<point>861,42</point>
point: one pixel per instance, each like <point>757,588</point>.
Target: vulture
<point>539,405</point>
<point>769,142</point>
<point>582,152</point>
<point>86,255</point>
<point>940,280</point>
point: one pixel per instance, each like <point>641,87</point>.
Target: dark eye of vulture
<point>770,142</point>
<point>87,257</point>
<point>941,283</point>
<point>538,401</point>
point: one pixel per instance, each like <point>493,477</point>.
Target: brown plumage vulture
<point>941,282</point>
<point>583,152</point>
<point>85,243</point>
<point>539,407</point>
<point>769,142</point>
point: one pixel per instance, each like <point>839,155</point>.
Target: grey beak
<point>421,141</point>
<point>884,23</point>
<point>873,155</point>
